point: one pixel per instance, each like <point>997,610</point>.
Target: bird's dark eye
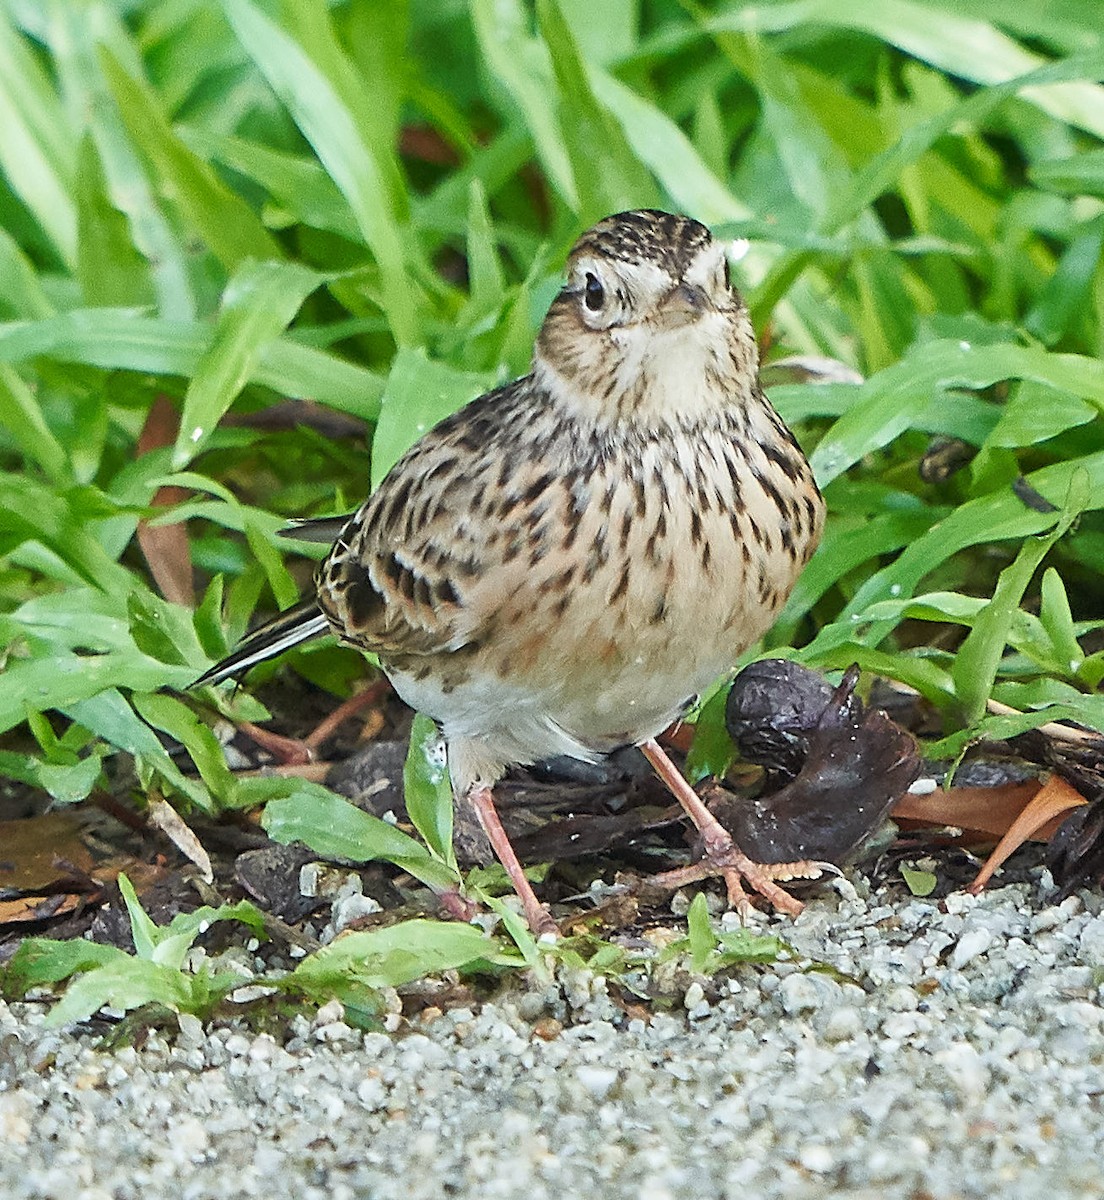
<point>593,293</point>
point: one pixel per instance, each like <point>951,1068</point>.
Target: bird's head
<point>648,326</point>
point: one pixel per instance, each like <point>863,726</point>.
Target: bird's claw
<point>726,860</point>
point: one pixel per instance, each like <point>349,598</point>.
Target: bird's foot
<point>732,865</point>
<point>722,856</point>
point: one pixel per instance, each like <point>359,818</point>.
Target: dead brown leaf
<point>988,810</point>
<point>37,854</point>
<point>166,547</point>
<point>163,816</point>
<point>1039,819</point>
<point>28,909</point>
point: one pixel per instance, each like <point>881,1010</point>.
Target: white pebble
<point>799,995</point>
<point>816,1157</point>
<point>596,1080</point>
<point>974,941</point>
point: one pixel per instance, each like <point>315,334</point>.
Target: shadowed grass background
<point>366,204</point>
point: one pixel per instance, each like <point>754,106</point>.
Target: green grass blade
<point>258,304</point>
<point>227,225</point>
<point>120,340</point>
<point>333,827</point>
<point>38,151</point>
<point>660,145</point>
<point>996,517</point>
<point>76,56</point>
<point>331,129</point>
<point>521,64</point>
<point>622,182</point>
<point>109,267</point>
<point>427,789</point>
<point>976,663</point>
<point>419,394</point>
<point>892,400</point>
<point>24,421</point>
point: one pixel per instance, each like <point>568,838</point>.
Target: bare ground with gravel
<point>942,1050</point>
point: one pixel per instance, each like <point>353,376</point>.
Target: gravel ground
<point>966,1059</point>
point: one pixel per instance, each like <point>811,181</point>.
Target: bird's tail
<point>298,624</point>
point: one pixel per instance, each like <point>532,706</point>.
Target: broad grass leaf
<point>65,783</point>
<point>122,340</point>
<point>333,827</point>
<point>74,35</point>
<point>845,550</point>
<point>299,185</point>
<point>420,393</point>
<point>227,225</point>
<point>129,983</point>
<point>372,91</point>
<point>24,421</point>
<point>327,123</point>
<point>486,281</point>
<point>1082,175</point>
<point>30,510</point>
<point>521,64</point>
<point>1057,619</point>
<point>1035,412</point>
<point>258,304</point>
<point>39,962</point>
<point>427,789</point>
<point>892,399</point>
<point>107,714</point>
<point>699,932</point>
<point>260,540</point>
<point>38,151</point>
<point>397,954</point>
<point>1066,298</point>
<point>175,718</point>
<point>712,751</point>
<point>978,659</point>
<point>665,150</point>
<point>110,269</point>
<point>990,518</point>
<point>623,182</point>
<point>956,43</point>
<point>21,293</point>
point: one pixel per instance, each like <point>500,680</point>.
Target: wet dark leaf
<point>852,765</point>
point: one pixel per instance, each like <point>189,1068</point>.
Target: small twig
<point>314,772</point>
<point>366,698</point>
<point>1064,733</point>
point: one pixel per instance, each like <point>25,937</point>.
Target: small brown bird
<point>565,564</point>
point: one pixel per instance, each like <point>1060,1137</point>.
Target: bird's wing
<point>428,560</point>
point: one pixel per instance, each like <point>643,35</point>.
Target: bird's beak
<point>684,304</point>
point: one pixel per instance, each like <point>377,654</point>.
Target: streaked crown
<point>648,325</point>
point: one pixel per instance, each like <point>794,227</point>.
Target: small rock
<point>1090,946</point>
<point>596,1080</point>
<point>974,941</point>
<point>842,1025</point>
<point>191,1033</point>
<point>331,1011</point>
<point>817,1158</point>
<point>799,994</point>
<point>695,995</point>
<point>901,999</point>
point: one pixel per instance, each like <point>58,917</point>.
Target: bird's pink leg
<point>722,856</point>
<point>539,918</point>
